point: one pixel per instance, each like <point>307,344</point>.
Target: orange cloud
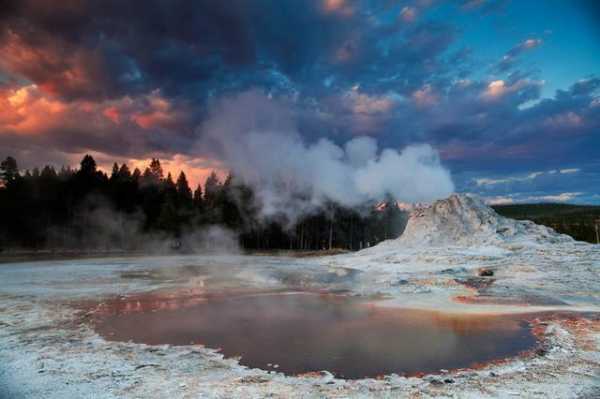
<point>25,110</point>
<point>332,5</point>
<point>361,103</point>
<point>498,88</point>
<point>54,67</point>
<point>425,97</point>
<point>112,113</point>
<point>495,89</point>
<point>339,7</point>
<point>531,43</point>
<point>158,113</point>
<point>31,110</point>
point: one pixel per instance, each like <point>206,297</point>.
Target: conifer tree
<point>183,190</point>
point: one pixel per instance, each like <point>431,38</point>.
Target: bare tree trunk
<point>330,234</point>
<point>351,233</point>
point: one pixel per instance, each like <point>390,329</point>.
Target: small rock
<point>449,381</point>
<point>486,272</point>
<point>541,352</point>
<point>254,379</point>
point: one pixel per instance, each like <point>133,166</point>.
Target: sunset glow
<point>78,77</point>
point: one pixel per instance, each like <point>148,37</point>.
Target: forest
<point>88,209</point>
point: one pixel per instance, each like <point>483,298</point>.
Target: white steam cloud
<point>256,137</point>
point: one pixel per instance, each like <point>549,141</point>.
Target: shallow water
<point>301,332</point>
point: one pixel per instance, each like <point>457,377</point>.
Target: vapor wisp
<point>98,227</point>
<point>258,139</point>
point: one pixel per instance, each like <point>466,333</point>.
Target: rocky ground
<point>455,256</point>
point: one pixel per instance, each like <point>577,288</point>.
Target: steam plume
<point>256,137</point>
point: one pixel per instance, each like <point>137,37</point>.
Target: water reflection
<point>306,332</point>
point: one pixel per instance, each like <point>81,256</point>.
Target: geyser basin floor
<point>302,332</point>
<point>47,352</point>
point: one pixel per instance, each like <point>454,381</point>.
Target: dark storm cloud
<point>102,51</point>
<point>111,48</point>
<point>105,49</point>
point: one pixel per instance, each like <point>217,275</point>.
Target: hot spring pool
<point>297,333</point>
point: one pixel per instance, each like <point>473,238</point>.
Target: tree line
<point>64,209</point>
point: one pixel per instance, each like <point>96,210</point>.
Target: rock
<point>541,352</point>
<point>453,271</point>
<point>141,366</point>
<point>486,272</point>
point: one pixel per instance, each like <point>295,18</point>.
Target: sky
<point>508,92</point>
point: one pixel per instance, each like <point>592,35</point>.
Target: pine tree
<point>156,169</point>
<point>183,190</point>
<point>115,172</point>
<point>169,183</point>
<point>198,200</point>
<point>212,188</point>
<point>170,189</point>
<point>136,175</point>
<point>124,173</point>
<point>88,165</point>
<point>48,172</point>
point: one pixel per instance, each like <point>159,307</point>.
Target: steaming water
<point>297,333</point>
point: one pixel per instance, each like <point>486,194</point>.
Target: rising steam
<point>256,137</point>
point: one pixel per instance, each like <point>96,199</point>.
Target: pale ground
<point>45,352</point>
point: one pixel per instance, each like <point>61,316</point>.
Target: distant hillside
<point>575,220</point>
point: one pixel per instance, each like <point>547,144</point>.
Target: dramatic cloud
<point>130,82</point>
